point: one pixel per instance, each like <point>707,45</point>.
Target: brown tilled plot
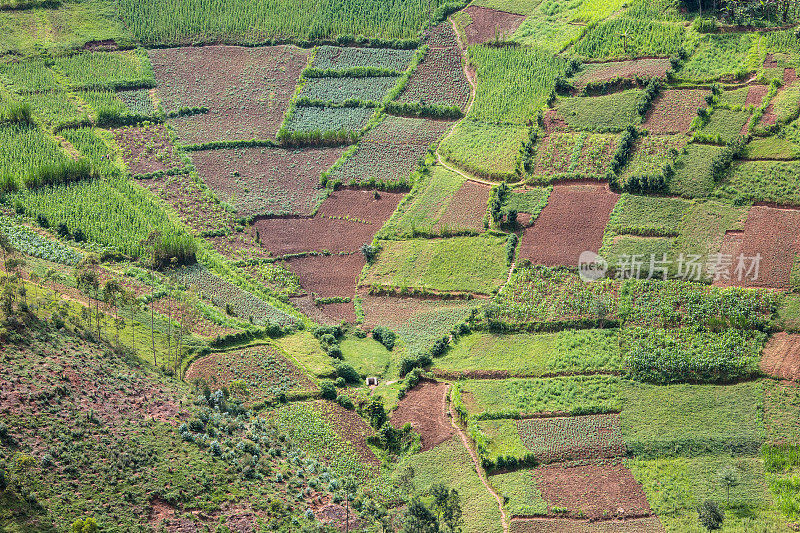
<point>642,68</point>
<point>572,222</point>
<point>266,181</point>
<point>772,233</point>
<point>650,524</point>
<point>781,356</point>
<point>490,24</point>
<point>247,90</point>
<point>424,407</point>
<point>466,210</point>
<point>674,110</point>
<point>328,276</point>
<point>344,222</point>
<point>594,490</point>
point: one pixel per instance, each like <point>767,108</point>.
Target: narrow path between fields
<point>473,89</point>
<point>475,461</point>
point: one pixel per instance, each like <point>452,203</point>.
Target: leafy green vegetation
<point>641,38</point>
<point>487,150</point>
<point>644,215</point>
<point>534,355</point>
<point>692,420</point>
<point>693,178</point>
<point>466,264</point>
<point>520,492</point>
<point>613,112</point>
<point>717,55</point>
<point>770,181</point>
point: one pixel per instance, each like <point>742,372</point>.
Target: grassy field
<point>467,147</point>
<point>306,350</point>
<point>462,264</point>
<point>644,215</point>
<point>645,38</point>
<point>520,492</point>
<point>725,124</point>
<point>692,420</point>
<point>515,398</point>
<point>770,181</point>
<point>692,177</point>
<point>613,112</point>
<point>367,356</point>
<point>716,56</point>
<point>419,214</point>
<point>535,355</point>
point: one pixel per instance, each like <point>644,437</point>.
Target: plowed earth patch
<point>424,407</point>
<point>489,24</point>
<point>781,356</point>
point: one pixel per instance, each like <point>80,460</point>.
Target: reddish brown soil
<point>394,311</point>
<point>439,78</point>
<point>781,356</point>
<point>572,222</point>
<point>239,246</point>
<point>424,407</point>
<point>361,204</point>
<point>595,490</point>
<point>239,518</point>
<point>770,61</point>
<point>771,232</point>
<point>769,118</point>
<point>147,149</point>
<point>328,276</point>
<point>246,90</point>
<point>674,110</point>
<point>195,208</point>
<point>490,24</point>
<point>756,94</point>
<point>466,209</point>
<point>789,76</point>
<point>267,181</point>
<point>642,68</point>
<point>331,232</point>
<point>553,121</point>
<point>565,525</point>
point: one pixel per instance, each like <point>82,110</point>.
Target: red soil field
<point>267,181</point>
<point>327,276</point>
<point>424,407</point>
<point>329,314</point>
<point>771,232</point>
<point>365,214</point>
<point>361,204</point>
<point>674,110</point>
<point>560,525</point>
<point>246,90</point>
<point>394,312</point>
<point>789,76</point>
<point>439,78</point>
<point>598,490</point>
<point>756,94</point>
<point>488,24</point>
<point>643,68</point>
<point>572,222</point>
<point>202,327</point>
<point>147,149</point>
<point>238,246</point>
<point>781,356</point>
<point>193,206</point>
<point>466,209</point>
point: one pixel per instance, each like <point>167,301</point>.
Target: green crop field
<point>310,266</point>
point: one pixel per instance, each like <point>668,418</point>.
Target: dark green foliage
<point>327,389</point>
<point>384,336</point>
<point>59,173</point>
<point>722,161</point>
<point>711,516</point>
<point>345,401</point>
<point>414,109</point>
<point>497,200</point>
<point>780,458</point>
<point>623,151</point>
<point>171,250</point>
<point>335,331</point>
<point>419,519</point>
<point>511,244</point>
<point>370,252</point>
<point>647,97</point>
<point>352,72</point>
<point>17,112</point>
<point>350,375</point>
<point>316,138</point>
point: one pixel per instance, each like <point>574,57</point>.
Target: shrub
<point>703,25</point>
<point>345,401</point>
<point>370,252</point>
<point>384,336</point>
<point>511,245</point>
<point>18,112</point>
<point>711,516</point>
<point>328,390</point>
<point>348,373</point>
<point>85,525</point>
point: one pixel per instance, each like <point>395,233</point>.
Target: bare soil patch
<point>424,407</point>
<point>594,490</point>
<point>789,76</point>
<point>246,90</point>
<point>781,356</point>
<point>771,232</point>
<point>328,276</point>
<point>637,68</point>
<point>267,181</point>
<point>572,222</point>
<point>344,222</point>
<point>147,149</point>
<point>466,209</point>
<point>673,110</point>
<point>756,94</point>
<point>489,24</point>
<point>561,525</point>
<point>202,327</point>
